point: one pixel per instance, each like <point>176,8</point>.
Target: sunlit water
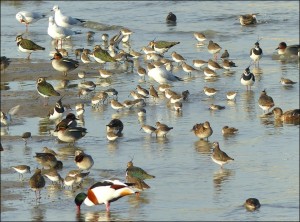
<point>188,185</point>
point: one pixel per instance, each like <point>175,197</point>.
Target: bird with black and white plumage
<point>27,46</point>
<point>256,53</point>
<point>171,18</point>
<point>247,78</point>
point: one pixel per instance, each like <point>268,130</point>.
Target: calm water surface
<point>188,185</point>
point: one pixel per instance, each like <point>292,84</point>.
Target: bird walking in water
<point>36,183</point>
<point>220,157</point>
<point>104,193</point>
<point>256,53</point>
<point>171,18</point>
<point>28,46</point>
<point>265,102</point>
<point>247,78</point>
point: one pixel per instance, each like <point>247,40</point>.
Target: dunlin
<point>287,82</point>
<point>116,105</point>
<point>148,129</point>
<point>213,48</point>
<point>209,91</point>
<point>162,129</point>
<point>213,65</point>
<point>153,92</point>
<point>177,57</point>
<point>21,169</point>
<point>198,63</point>
<point>187,68</point>
<point>200,38</point>
<point>265,102</point>
<point>231,95</point>
<point>209,72</point>
<point>219,156</point>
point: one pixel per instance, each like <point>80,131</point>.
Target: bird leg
<point>108,207</point>
<point>28,57</point>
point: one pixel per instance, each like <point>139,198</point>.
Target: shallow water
<point>188,185</point>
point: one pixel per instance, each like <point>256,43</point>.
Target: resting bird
<point>162,46</point>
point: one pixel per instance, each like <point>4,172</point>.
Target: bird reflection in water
<point>249,103</point>
<point>38,213</point>
<point>202,147</point>
<point>94,216</point>
<point>45,126</point>
<point>220,177</point>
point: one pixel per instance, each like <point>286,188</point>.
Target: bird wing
<point>14,110</point>
<point>30,45</point>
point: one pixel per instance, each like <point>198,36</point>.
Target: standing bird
<point>104,193</point>
<point>47,160</point>
<point>137,172</point>
<point>28,46</point>
<point>58,111</point>
<point>83,160</point>
<point>21,169</point>
<point>102,56</point>
<point>213,48</point>
<point>202,130</point>
<point>70,134</point>
<point>162,46</point>
<point>256,53</point>
<point>62,64</point>
<point>27,18</point>
<point>162,129</point>
<point>248,19</point>
<point>225,55</point>
<point>64,20</point>
<point>45,89</point>
<point>291,50</point>
<point>220,157</point>
<point>58,32</point>
<point>171,18</point>
<point>247,78</point>
<point>36,183</point>
<point>26,136</point>
<point>200,38</point>
<point>265,102</point>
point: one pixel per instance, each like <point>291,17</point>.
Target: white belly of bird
<point>255,57</point>
<point>25,50</point>
<point>247,82</point>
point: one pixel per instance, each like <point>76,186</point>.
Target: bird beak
<point>277,48</point>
